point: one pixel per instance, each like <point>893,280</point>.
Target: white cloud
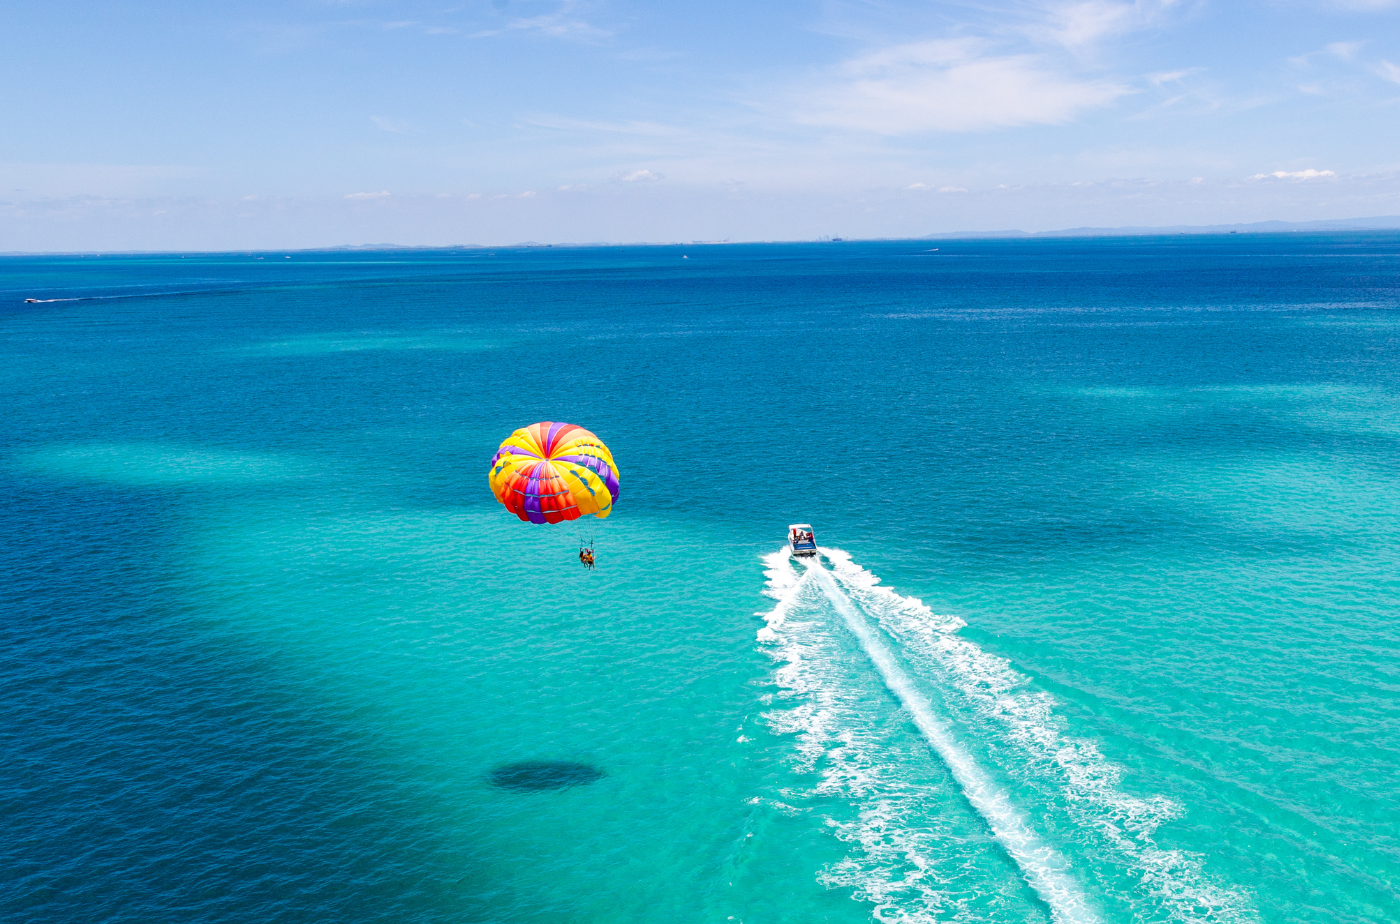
<point>562,23</point>
<point>1078,24</point>
<point>382,194</point>
<point>951,86</point>
<point>1344,50</point>
<point>559,27</point>
<point>1387,71</point>
<point>638,176</point>
<point>1293,175</point>
<point>641,129</point>
<point>1171,76</point>
<point>389,125</point>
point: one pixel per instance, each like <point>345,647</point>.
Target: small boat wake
<point>102,298</point>
<point>1048,801</point>
<point>121,296</point>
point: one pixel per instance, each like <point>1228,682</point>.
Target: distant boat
<point>31,301</point>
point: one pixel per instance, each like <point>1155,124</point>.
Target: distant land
<point>1380,223</point>
<point>1377,223</point>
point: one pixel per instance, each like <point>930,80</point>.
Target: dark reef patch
<point>545,774</point>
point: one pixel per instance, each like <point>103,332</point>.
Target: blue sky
<point>136,125</point>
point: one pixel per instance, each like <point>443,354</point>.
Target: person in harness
<point>585,555</point>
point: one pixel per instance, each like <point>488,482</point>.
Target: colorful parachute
<point>550,472</point>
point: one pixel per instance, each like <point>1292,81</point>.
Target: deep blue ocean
<point>1106,627</point>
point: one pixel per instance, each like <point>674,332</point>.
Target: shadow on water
<point>544,774</point>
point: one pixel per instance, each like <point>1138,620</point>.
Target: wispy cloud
<point>638,176</point>
<point>1293,175</point>
<point>1182,91</point>
<point>284,37</point>
<point>1077,25</point>
<point>382,194</point>
<point>950,86</point>
<point>565,22</point>
<point>389,125</point>
<point>568,124</point>
<point>1343,50</point>
<point>1074,25</point>
<point>1351,54</point>
<point>1172,77</point>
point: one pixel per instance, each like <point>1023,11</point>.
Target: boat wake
<point>1097,855</point>
<point>124,295</point>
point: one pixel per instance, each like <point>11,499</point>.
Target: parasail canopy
<point>548,472</point>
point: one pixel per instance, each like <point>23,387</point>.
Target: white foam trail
<point>901,831</point>
<point>76,298</point>
<point>103,298</point>
<point>1044,869</point>
<point>1002,695</point>
<point>784,585</point>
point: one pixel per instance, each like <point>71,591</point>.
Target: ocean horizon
<point>1380,223</point>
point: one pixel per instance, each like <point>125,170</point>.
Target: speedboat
<point>801,542</point>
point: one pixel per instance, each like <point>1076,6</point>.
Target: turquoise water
<point>1104,628</point>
